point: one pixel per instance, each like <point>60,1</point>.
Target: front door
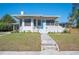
<point>38,24</point>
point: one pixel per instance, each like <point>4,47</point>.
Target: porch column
<point>22,22</point>
<point>37,23</point>
<point>44,25</point>
<point>32,25</point>
<point>22,28</point>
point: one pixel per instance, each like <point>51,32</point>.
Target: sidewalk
<point>48,45</point>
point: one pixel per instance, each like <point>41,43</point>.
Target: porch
<point>36,25</point>
<point>42,24</point>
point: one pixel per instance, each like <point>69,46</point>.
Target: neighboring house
<point>36,23</point>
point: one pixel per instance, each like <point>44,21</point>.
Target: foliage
<point>5,27</point>
<point>74,17</point>
<point>78,23</point>
<point>7,19</point>
<point>66,31</point>
<point>6,23</point>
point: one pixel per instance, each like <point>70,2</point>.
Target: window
<point>20,22</point>
<point>34,22</point>
<point>39,22</point>
<point>56,23</point>
<point>27,22</point>
<point>49,22</point>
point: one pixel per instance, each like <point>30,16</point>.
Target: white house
<point>38,23</point>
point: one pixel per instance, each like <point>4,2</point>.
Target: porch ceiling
<point>36,17</point>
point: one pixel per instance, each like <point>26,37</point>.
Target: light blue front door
<point>40,25</point>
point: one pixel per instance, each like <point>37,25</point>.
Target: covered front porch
<point>36,23</point>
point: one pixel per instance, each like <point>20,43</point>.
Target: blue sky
<point>62,10</point>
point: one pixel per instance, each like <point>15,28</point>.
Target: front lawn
<point>66,41</point>
<point>20,42</point>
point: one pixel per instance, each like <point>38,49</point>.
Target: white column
<point>44,25</point>
<point>36,23</point>
<point>22,22</point>
<point>32,25</point>
<point>22,29</point>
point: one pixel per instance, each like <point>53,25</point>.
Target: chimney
<point>22,12</point>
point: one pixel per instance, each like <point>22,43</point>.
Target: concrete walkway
<point>48,45</point>
<point>48,42</point>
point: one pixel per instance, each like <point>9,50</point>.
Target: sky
<point>55,9</point>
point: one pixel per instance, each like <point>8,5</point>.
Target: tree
<point>7,19</point>
<point>6,23</point>
<point>77,17</point>
<point>74,17</point>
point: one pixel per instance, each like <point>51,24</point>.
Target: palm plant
<point>74,17</point>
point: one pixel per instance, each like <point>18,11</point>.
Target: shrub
<point>66,31</point>
<point>5,27</point>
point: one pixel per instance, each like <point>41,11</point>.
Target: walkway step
<point>48,44</point>
<point>49,47</point>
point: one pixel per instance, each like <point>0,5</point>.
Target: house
<point>38,23</point>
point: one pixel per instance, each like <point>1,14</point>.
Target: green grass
<point>66,41</point>
<point>20,42</point>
